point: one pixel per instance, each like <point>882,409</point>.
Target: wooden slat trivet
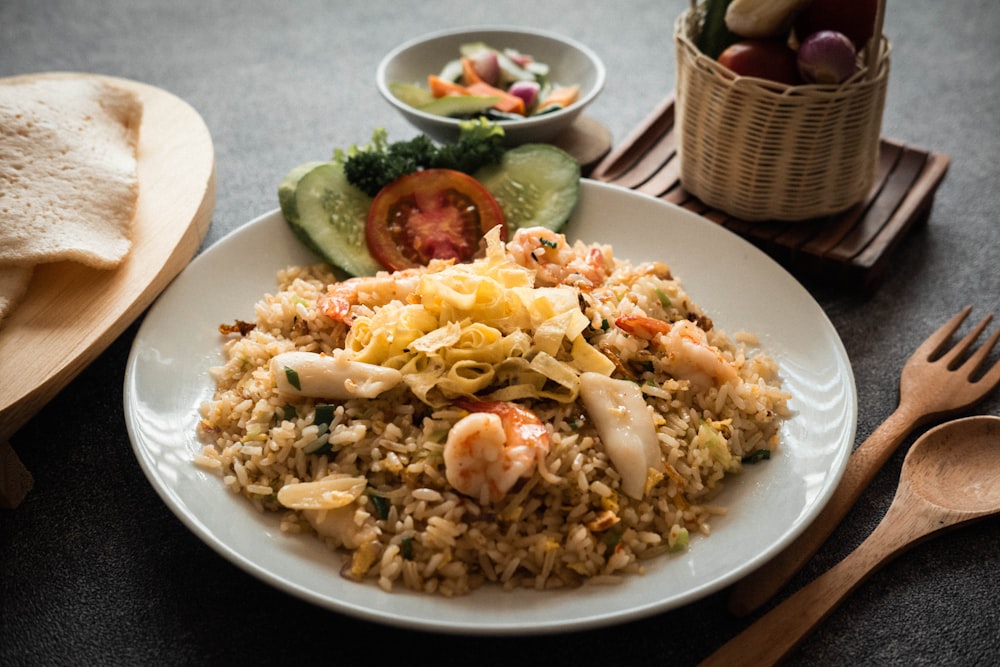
<point>851,249</point>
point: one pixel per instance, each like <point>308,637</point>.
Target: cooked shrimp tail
<point>341,297</point>
<point>687,354</point>
<point>489,449</point>
<point>556,262</point>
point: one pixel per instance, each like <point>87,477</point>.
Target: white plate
<point>740,287</point>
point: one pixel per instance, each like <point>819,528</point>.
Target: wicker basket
<point>767,151</point>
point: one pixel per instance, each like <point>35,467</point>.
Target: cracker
<point>68,170</point>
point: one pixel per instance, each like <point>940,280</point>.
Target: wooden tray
<point>71,312</point>
<point>850,250</point>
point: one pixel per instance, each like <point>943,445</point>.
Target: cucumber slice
<point>328,214</point>
<point>459,105</point>
<point>411,93</point>
<point>535,185</point>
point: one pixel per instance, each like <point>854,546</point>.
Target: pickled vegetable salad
<point>488,82</point>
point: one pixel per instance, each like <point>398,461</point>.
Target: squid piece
<point>326,494</point>
<point>625,426</point>
<point>331,376</point>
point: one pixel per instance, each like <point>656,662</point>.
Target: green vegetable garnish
<point>406,548</point>
<point>712,440</point>
<point>324,413</point>
<point>758,456</point>
<point>682,541</point>
<point>438,435</point>
<point>286,412</point>
<point>372,167</point>
<point>293,377</point>
<point>662,296</point>
<point>613,535</point>
<point>381,505</point>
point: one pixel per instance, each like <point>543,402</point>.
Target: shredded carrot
<point>442,87</point>
<point>562,96</point>
<point>508,103</point>
<point>469,74</point>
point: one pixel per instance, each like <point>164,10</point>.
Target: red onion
<point>827,56</point>
<point>487,66</point>
<point>526,90</point>
<point>854,18</point>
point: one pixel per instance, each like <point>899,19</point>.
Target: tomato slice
<point>430,214</point>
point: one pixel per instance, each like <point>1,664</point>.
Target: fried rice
<point>396,519</point>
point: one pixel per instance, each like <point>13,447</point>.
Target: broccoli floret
<point>373,171</point>
<point>367,171</point>
<point>418,150</point>
<point>374,166</point>
<point>479,143</point>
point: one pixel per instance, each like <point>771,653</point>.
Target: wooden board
<point>851,250</point>
<point>71,312</point>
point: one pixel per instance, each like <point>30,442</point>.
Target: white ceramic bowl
<point>569,61</point>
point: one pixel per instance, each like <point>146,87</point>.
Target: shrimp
<point>687,352</point>
<point>492,447</point>
<point>376,290</point>
<point>555,261</point>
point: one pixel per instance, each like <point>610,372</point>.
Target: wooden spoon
<point>949,477</point>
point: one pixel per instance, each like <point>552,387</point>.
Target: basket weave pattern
<point>767,151</point>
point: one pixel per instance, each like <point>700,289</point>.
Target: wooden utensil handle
<point>751,592</point>
<point>776,634</point>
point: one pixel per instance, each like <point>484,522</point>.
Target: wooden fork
<point>935,383</point>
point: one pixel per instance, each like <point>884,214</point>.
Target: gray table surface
<point>94,569</point>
